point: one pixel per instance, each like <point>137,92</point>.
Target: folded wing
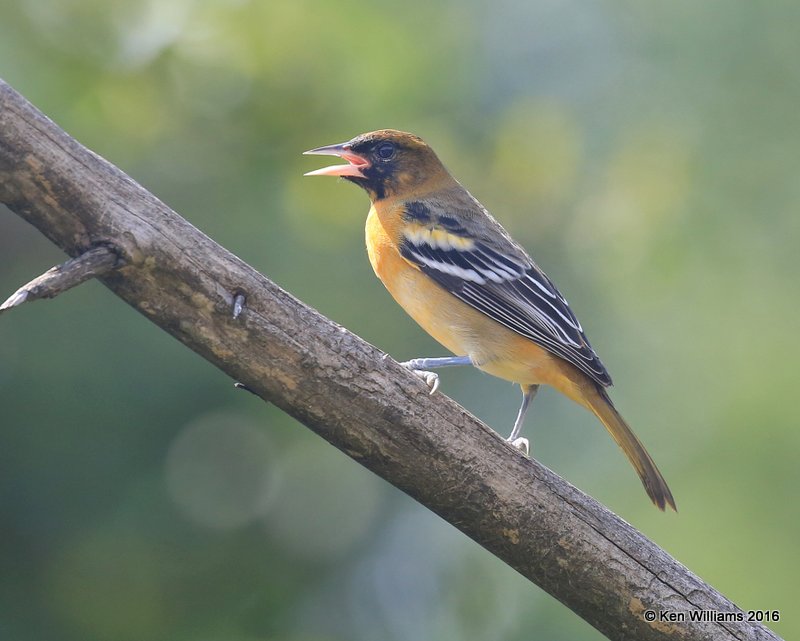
<point>511,290</point>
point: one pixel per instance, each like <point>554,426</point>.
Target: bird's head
<point>385,163</point>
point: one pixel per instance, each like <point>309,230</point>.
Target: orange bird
<point>457,272</point>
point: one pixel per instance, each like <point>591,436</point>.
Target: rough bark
<point>347,392</point>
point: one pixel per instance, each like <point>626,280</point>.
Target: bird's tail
<point>654,484</point>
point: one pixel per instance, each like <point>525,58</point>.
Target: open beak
<point>356,164</point>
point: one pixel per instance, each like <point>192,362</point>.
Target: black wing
<point>512,291</point>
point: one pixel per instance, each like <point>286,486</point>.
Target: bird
<point>458,273</point>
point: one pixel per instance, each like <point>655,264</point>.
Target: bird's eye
<point>385,151</point>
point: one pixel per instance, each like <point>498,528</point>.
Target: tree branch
<point>91,264</point>
<point>342,388</point>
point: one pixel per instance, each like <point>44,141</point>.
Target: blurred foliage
<point>644,152</point>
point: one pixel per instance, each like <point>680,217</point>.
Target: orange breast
<point>422,299</point>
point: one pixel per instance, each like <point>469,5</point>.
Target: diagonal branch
<point>341,387</point>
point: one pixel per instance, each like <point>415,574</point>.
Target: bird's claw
<point>431,379</point>
<point>522,444</point>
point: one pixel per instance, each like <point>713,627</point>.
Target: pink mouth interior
<point>356,164</point>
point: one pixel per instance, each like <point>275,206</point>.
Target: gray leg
<point>433,363</point>
<point>527,397</point>
<point>419,366</point>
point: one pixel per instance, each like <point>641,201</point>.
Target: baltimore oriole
<point>459,274</point>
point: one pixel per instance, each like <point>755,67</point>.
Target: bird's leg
<point>515,439</point>
<point>420,367</point>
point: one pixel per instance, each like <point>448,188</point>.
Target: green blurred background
<point>645,153</point>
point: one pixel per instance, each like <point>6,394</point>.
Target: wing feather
<point>511,289</point>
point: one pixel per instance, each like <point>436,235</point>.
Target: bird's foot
<point>431,379</point>
<point>522,444</point>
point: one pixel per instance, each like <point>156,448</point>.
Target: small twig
<point>238,304</point>
<point>92,263</point>
<point>245,388</point>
